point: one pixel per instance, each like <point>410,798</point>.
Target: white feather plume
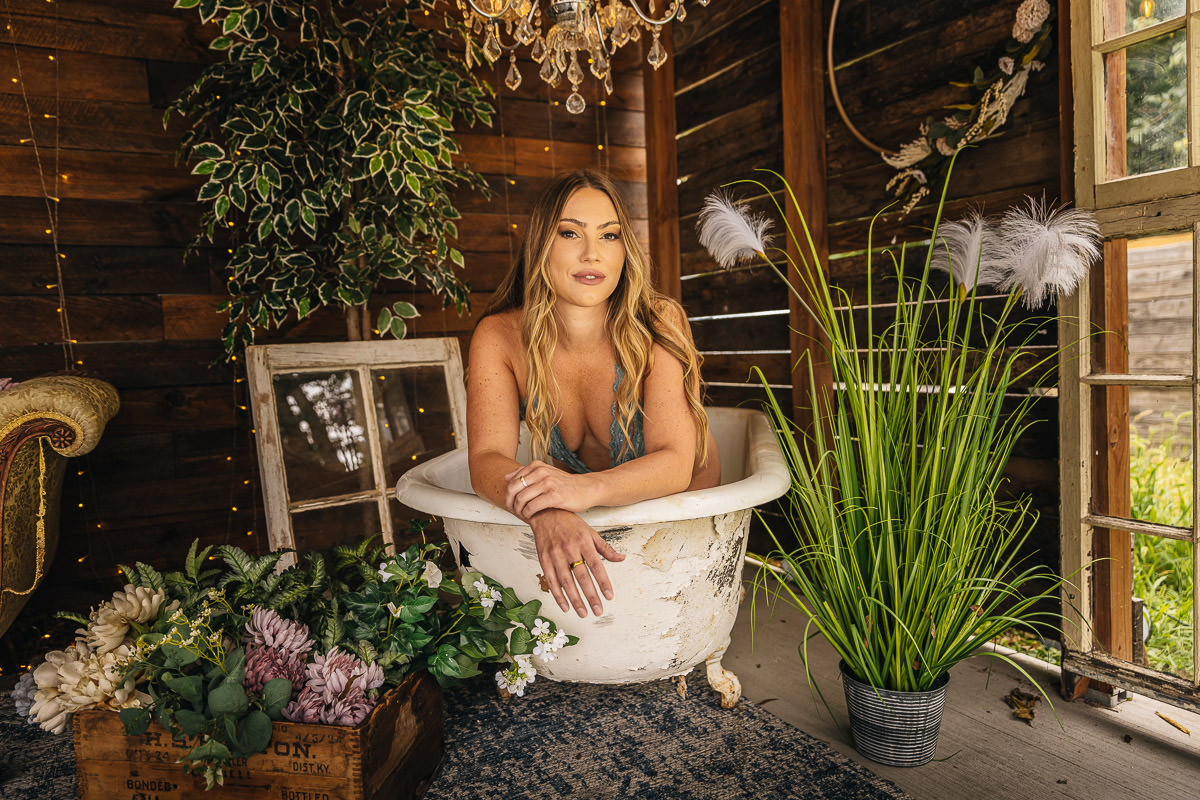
<point>969,251</point>
<point>1047,251</point>
<point>730,232</point>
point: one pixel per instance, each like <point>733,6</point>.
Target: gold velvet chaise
<point>43,422</point>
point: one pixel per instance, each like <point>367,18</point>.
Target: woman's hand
<point>572,555</point>
<point>540,486</point>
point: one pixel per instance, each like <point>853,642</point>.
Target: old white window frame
<point>263,362</point>
<point>1125,207</point>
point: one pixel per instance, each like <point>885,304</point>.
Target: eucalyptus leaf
<point>192,723</point>
<point>136,720</point>
<point>227,698</point>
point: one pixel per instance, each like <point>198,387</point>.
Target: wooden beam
<point>662,196</point>
<point>1113,585</point>
<point>801,27</point>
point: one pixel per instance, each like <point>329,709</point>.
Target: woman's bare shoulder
<point>670,313</point>
<point>502,329</point>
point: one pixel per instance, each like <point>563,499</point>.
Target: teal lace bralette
<point>616,439</point>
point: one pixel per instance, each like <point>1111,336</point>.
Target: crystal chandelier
<point>591,29</point>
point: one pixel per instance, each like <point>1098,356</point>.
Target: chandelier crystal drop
<point>559,33</point>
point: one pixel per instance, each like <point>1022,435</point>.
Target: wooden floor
<point>1126,753</point>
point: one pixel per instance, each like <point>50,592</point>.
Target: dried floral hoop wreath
<point>924,160</point>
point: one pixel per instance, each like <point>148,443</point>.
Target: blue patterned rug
<point>564,740</point>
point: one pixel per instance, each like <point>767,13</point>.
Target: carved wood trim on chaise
<point>43,422</point>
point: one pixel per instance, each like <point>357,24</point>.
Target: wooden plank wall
<point>894,60</point>
<point>178,462</point>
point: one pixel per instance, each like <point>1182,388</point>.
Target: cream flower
<point>1031,15</point>
<point>1006,65</point>
<point>77,678</point>
<point>432,575</point>
<point>110,621</point>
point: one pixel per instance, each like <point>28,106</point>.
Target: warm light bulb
<point>1146,8</point>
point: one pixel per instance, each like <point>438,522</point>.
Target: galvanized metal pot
<point>899,729</point>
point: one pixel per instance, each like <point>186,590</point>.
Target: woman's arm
<point>493,407</point>
<point>493,428</point>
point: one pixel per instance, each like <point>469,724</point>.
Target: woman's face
<point>588,254</point>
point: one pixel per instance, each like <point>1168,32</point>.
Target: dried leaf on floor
<point>1022,704</point>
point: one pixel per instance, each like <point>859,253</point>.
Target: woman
<point>603,370</point>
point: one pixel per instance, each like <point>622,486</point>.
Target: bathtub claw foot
<point>723,681</point>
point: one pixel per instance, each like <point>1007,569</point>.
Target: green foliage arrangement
<point>903,550</point>
<point>218,650</point>
<point>327,137</point>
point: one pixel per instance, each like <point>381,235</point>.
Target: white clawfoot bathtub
<point>677,591</point>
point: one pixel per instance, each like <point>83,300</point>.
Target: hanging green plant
<point>327,135</point>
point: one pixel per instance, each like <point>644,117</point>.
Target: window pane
<point>1146,91</point>
<point>1160,456</point>
<point>320,529</point>
<point>1124,16</point>
<point>323,431</point>
<point>1144,439</point>
<point>1160,304</point>
<point>415,420</point>
<point>1162,581</point>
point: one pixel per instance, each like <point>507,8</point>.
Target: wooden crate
<point>392,754</point>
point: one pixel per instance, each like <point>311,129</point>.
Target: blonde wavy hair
<point>638,318</point>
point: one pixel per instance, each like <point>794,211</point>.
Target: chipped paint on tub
<point>678,589</point>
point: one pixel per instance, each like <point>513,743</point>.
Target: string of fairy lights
<point>43,120</point>
<point>50,196</point>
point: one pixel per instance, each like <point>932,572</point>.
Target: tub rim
<point>767,478</point>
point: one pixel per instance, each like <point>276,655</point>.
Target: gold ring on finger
<point>523,483</point>
<point>575,564</point>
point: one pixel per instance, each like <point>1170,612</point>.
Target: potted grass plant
<point>901,545</point>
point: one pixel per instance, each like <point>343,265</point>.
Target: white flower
<point>489,599</point>
<point>540,627</point>
<point>385,574</point>
<point>969,250</point>
<point>480,586</point>
<point>909,154</point>
<point>432,575</point>
<point>77,678</point>
<point>515,686</point>
<point>524,665</point>
<point>391,607</point>
<point>110,621</point>
<point>729,232</point>
<point>1007,64</point>
<point>1047,251</point>
<point>516,676</point>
